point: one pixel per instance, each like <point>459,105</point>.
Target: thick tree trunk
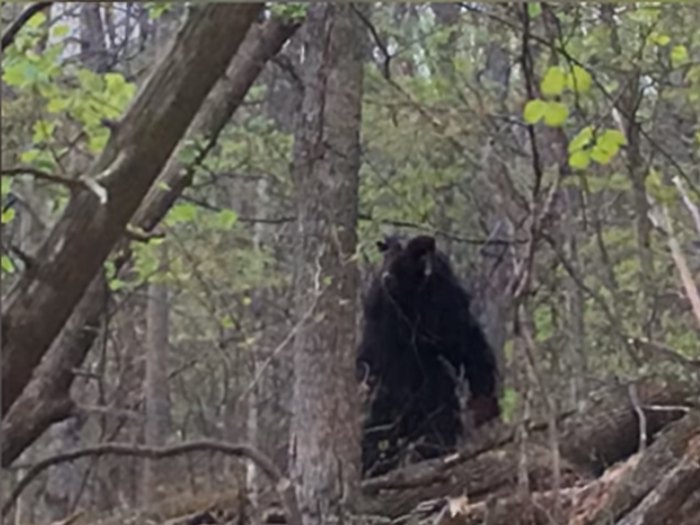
<point>325,423</point>
<point>40,303</point>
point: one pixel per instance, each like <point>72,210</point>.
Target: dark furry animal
<point>419,337</point>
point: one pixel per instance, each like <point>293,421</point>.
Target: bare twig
<point>43,175</point>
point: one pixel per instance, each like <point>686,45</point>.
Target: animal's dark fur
<point>419,334</point>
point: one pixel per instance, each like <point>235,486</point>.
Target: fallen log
<point>604,431</point>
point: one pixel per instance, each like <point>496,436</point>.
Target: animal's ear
<point>421,245</point>
<point>383,246</point>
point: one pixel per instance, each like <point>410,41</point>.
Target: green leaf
<point>601,154</point>
<point>225,219</point>
<point>8,215</point>
<point>60,30</point>
<point>555,114</point>
<point>659,39</point>
<point>156,9</point>
<point>29,156</point>
<point>607,145</point>
<point>534,111</point>
<point>98,140</point>
<point>43,131</point>
<point>579,80</point>
<point>612,138</point>
<point>5,185</point>
<point>534,9</point>
<point>580,160</point>
<point>14,75</point>
<point>509,403</point>
<point>57,104</point>
<point>553,82</point>
<point>581,140</point>
<point>37,20</point>
<point>182,213</point>
<point>679,55</point>
<point>6,264</point>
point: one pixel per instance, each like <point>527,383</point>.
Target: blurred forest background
<point>553,150</point>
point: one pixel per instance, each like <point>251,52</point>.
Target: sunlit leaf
<point>57,104</point>
<point>579,80</point>
<point>659,39</point>
<point>37,20</point>
<point>611,138</point>
<point>6,264</point>
<point>553,82</point>
<point>509,403</point>
<point>13,75</point>
<point>534,9</point>
<point>555,114</point>
<point>60,30</point>
<point>581,140</point>
<point>43,131</point>
<point>534,111</point>
<point>679,55</point>
<point>601,154</point>
<point>580,160</point>
<point>5,185</point>
<point>226,219</point>
<point>8,215</point>
<point>181,213</point>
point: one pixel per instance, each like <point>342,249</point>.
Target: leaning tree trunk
<point>325,426</point>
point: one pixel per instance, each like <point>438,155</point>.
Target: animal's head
<point>407,265</point>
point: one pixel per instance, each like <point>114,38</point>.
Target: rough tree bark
<point>41,302</point>
<point>325,423</point>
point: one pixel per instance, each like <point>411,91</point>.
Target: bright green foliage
<point>659,39</point>
<point>679,55</point>
<point>600,148</point>
<point>157,9</point>
<point>578,80</point>
<point>555,114</point>
<point>509,404</point>
<point>534,111</point>
<point>8,215</point>
<point>553,82</point>
<point>6,264</point>
<point>181,213</point>
<point>534,9</point>
<point>290,10</point>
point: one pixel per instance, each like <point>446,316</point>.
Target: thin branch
<point>8,37</point>
<point>43,175</point>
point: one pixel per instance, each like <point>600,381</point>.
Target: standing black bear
<point>419,337</point>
